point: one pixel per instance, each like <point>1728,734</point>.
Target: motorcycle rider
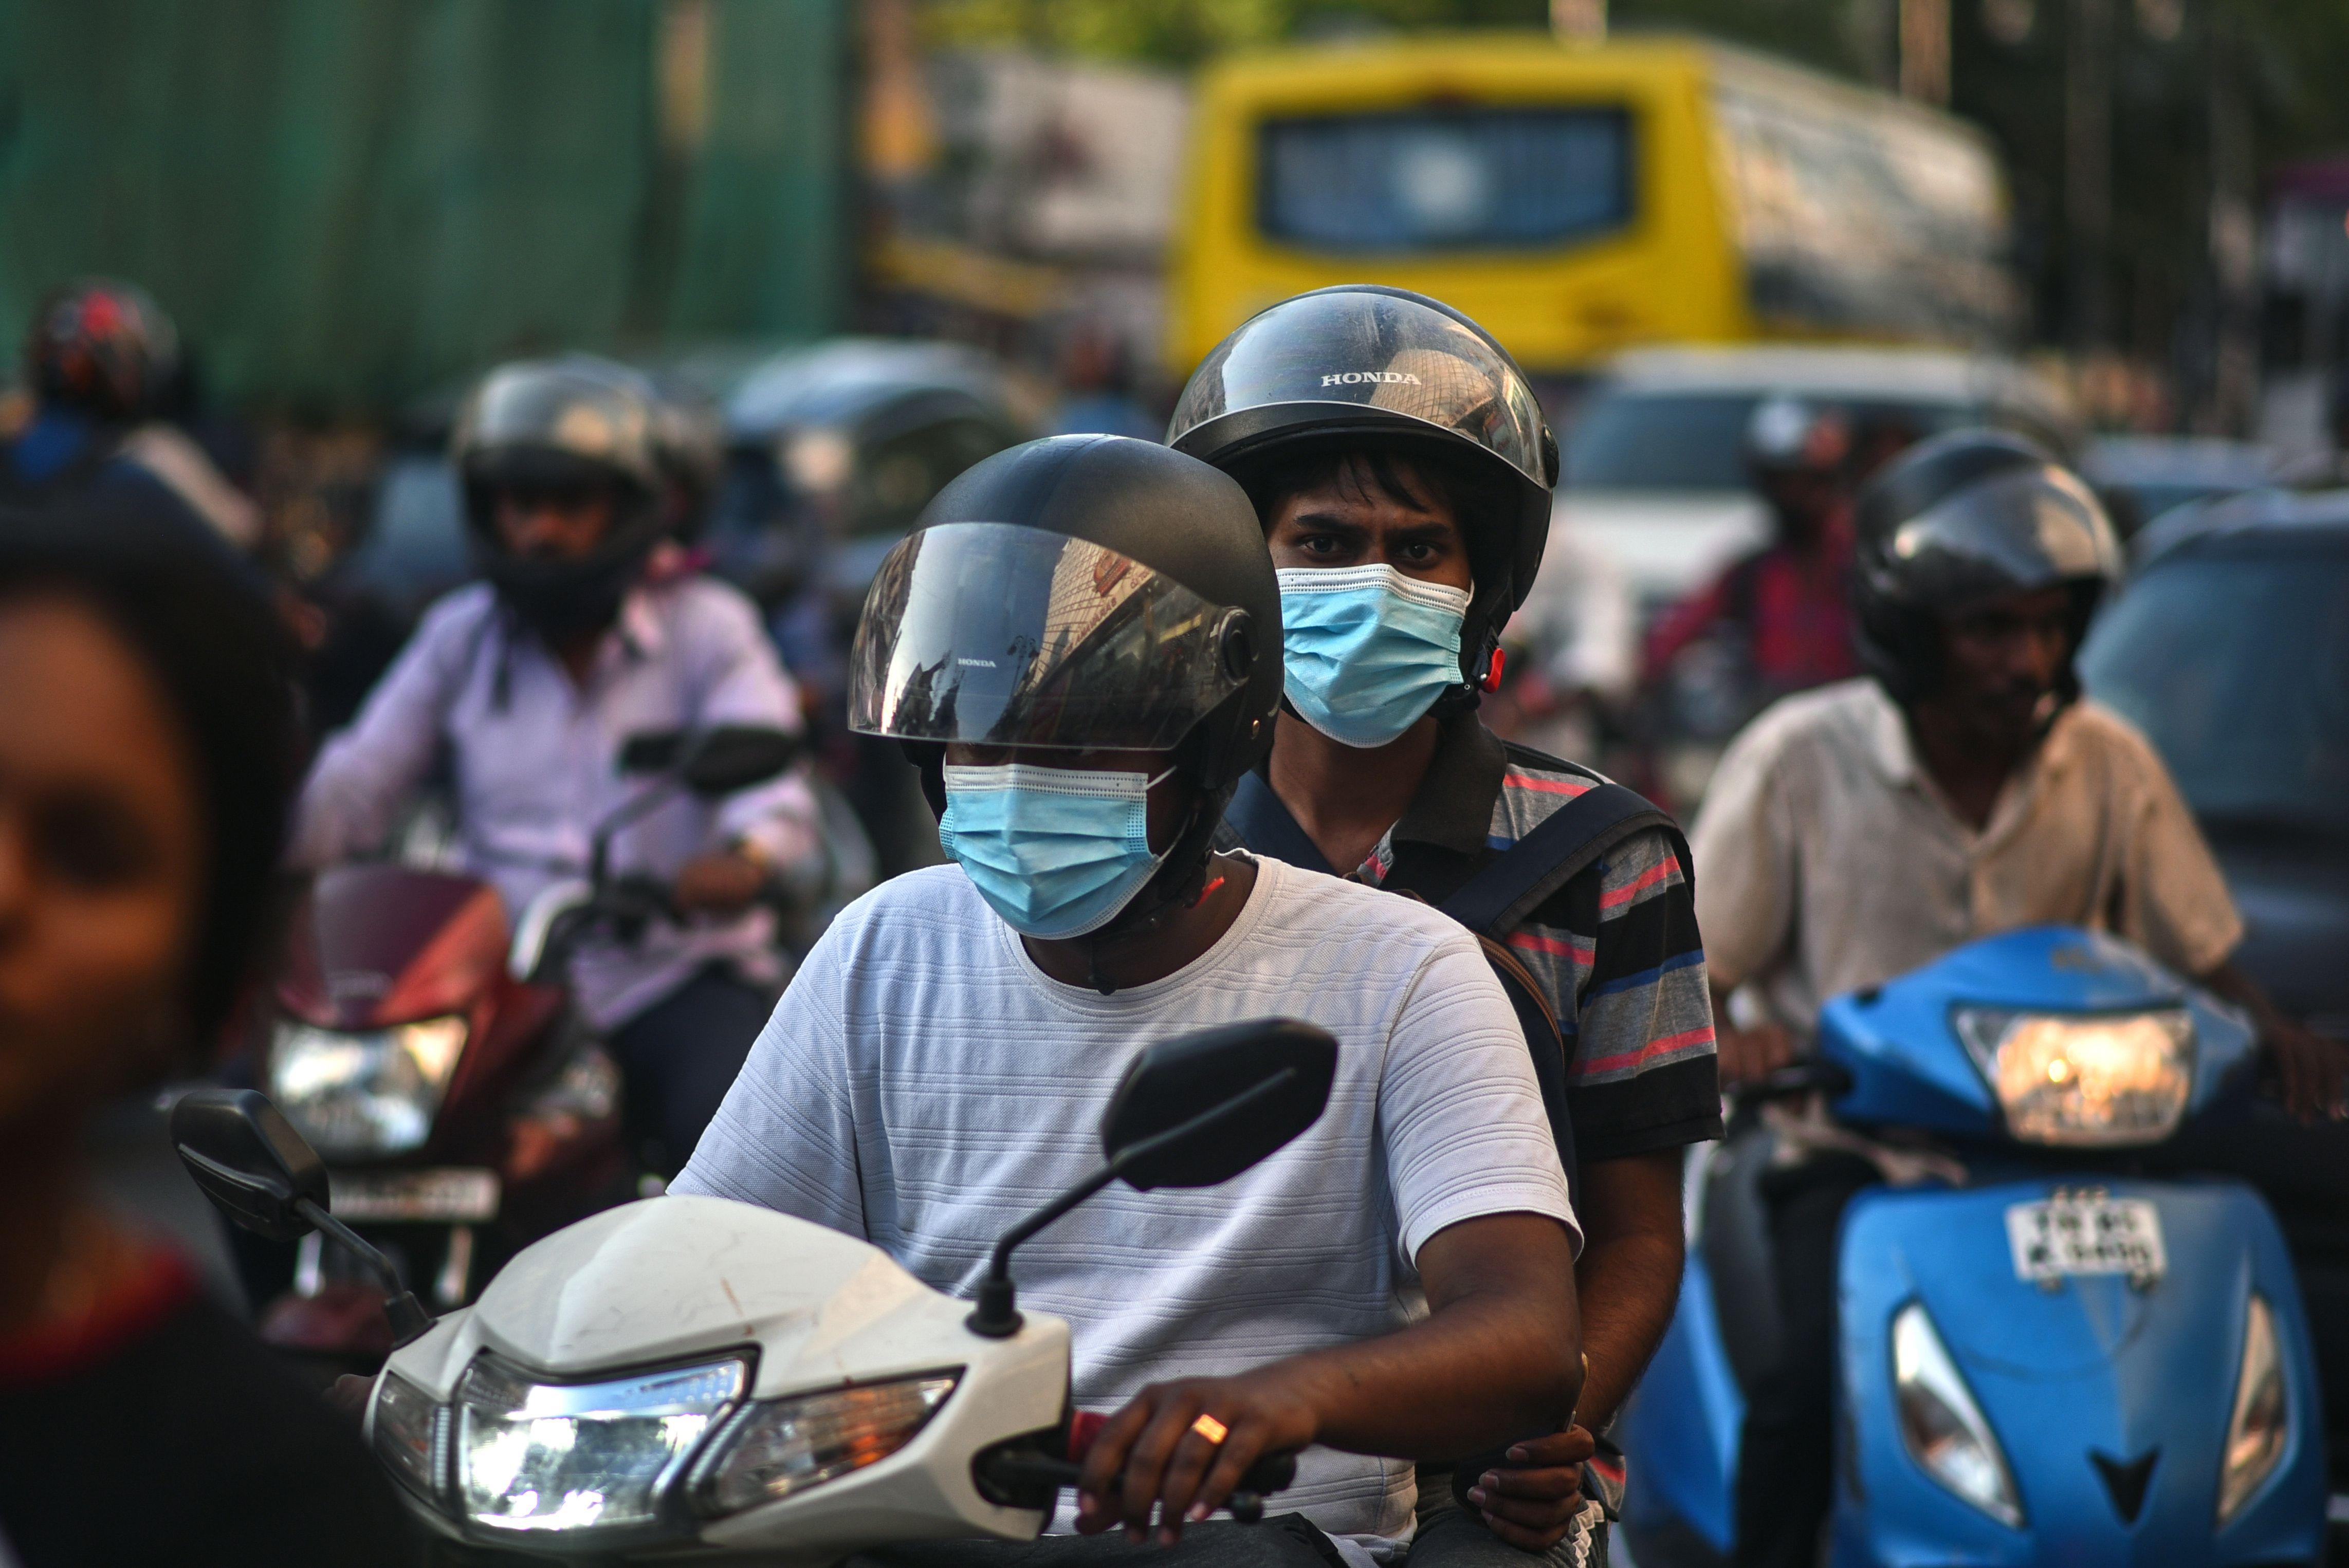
<point>145,767</point>
<point>1786,608</point>
<point>1960,790</point>
<point>1081,650</point>
<point>1400,471</point>
<point>531,681</point>
<point>99,358</point>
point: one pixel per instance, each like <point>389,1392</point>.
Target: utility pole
<point>2234,259</point>
<point>2088,168</point>
<point>1925,50</point>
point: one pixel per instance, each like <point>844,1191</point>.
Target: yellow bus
<point>1580,198</point>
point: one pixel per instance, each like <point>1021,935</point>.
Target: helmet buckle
<point>1493,668</point>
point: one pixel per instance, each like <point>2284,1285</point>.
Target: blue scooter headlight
<point>1941,1426</point>
<point>2085,1080</point>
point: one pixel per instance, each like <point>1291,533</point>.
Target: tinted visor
<point>2019,531</point>
<point>995,634</point>
<point>1375,355</point>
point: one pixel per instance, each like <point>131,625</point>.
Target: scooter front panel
<point>2100,1390</point>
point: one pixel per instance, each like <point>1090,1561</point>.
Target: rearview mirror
<point>261,1173</point>
<point>248,1159</point>
<point>716,761</point>
<point>1198,1109</point>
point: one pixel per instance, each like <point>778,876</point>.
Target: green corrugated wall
<point>346,201</point>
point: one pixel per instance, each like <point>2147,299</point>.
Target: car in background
<point>2141,478</point>
<point>2229,648</point>
<point>1654,471</point>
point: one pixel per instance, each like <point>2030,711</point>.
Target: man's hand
<point>1152,1456</point>
<point>1533,1500</point>
<point>719,884</point>
<point>1748,1055</point>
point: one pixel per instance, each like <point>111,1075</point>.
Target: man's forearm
<point>1629,1276</point>
<point>1498,1361</point>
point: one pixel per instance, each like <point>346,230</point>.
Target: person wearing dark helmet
<point>1400,471</point>
<point>529,683</point>
<point>1079,648</point>
<point>146,761</point>
<point>102,360</point>
<point>1960,790</point>
<point>1788,607</point>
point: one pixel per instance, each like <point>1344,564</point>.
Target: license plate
<point>451,1196</point>
<point>2085,1234</point>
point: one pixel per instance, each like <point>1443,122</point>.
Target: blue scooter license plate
<point>2085,1233</point>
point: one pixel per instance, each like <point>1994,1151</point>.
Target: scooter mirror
<point>1200,1108</point>
<point>716,761</point>
<point>248,1159</point>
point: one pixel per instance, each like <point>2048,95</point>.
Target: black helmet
<point>1333,367</point>
<point>1966,517</point>
<point>103,347</point>
<point>562,424</point>
<point>689,447</point>
<point>1088,592</point>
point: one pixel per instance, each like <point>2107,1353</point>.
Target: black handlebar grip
<point>1273,1472</point>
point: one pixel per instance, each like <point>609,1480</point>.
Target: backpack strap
<point>1265,825</point>
<point>1514,882</point>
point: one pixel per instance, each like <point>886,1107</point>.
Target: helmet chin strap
<point>1138,921</point>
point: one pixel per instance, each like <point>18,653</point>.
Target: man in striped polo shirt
<point>1399,464</point>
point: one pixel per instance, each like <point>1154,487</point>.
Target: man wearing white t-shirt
<point>1082,650</point>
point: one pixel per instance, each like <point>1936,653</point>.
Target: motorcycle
<point>690,1372</point>
<point>2067,1357</point>
<point>464,1108</point>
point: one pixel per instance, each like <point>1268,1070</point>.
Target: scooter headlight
<point>572,1457</point>
<point>1941,1426</point>
<point>2085,1080</point>
<point>2260,1428</point>
<point>779,1447</point>
<point>370,1093</point>
<point>411,1430</point>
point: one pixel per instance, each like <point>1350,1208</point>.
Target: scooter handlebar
<point>1029,1474</point>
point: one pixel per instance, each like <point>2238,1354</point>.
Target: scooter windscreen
<point>995,634</point>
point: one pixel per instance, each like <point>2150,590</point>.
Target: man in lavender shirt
<point>529,683</point>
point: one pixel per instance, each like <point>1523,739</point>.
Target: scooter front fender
<point>2086,1368</point>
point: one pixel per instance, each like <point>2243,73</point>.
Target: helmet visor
<point>2022,530</point>
<point>1001,634</point>
<point>1378,355</point>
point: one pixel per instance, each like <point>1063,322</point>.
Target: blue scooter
<point>2061,1361</point>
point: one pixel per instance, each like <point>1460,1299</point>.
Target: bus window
<point>1443,178</point>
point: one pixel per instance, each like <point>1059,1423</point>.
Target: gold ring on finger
<point>1207,1426</point>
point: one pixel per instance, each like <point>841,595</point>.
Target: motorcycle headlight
<point>366,1093</point>
<point>2260,1426</point>
<point>2083,1080</point>
<point>778,1447</point>
<point>1942,1427</point>
<point>581,1456</point>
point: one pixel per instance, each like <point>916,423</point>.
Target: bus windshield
<point>1444,179</point>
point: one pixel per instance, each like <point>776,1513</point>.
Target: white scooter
<point>694,1376</point>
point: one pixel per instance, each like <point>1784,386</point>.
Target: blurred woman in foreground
<point>147,749</point>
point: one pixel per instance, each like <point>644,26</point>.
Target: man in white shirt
<point>532,683</point>
<point>1082,651</point>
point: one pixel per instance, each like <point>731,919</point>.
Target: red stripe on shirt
<point>1567,787</point>
<point>1638,885</point>
<point>1584,951</point>
<point>1665,1044</point>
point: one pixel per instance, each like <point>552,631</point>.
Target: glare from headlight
<point>2260,1428</point>
<point>781,1447</point>
<point>2085,1080</point>
<point>581,1456</point>
<point>1942,1427</point>
<point>368,1093</point>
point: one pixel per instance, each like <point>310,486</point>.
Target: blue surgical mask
<point>1368,649</point>
<point>1056,851</point>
